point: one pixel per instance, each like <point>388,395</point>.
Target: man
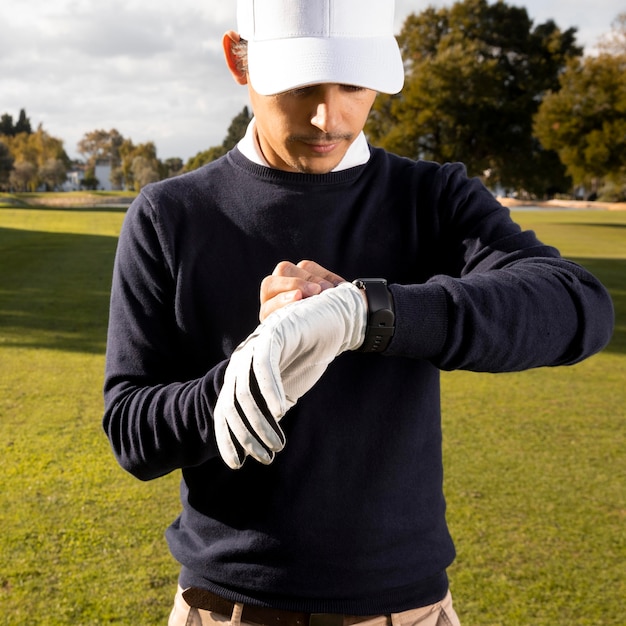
<point>310,445</point>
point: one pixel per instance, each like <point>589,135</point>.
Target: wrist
<point>380,314</point>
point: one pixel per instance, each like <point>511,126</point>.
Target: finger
<point>277,291</point>
<point>323,275</point>
<point>236,439</point>
<point>230,450</point>
<point>308,271</point>
<point>290,283</point>
<point>251,403</point>
<point>234,433</point>
<point>272,286</point>
<point>278,302</point>
<point>238,450</point>
<point>267,378</point>
<point>254,426</point>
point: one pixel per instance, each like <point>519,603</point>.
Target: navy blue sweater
<point>350,517</point>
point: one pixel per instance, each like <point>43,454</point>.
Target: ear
<point>230,38</point>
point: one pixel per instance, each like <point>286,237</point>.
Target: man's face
<point>309,130</point>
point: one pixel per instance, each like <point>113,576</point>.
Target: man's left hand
<point>277,364</point>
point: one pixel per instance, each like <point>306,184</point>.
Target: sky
<point>154,69</point>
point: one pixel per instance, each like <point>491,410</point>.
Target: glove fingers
<point>236,440</point>
<point>240,453</point>
<point>229,448</point>
<point>238,448</point>
<point>243,423</point>
<point>255,417</point>
<point>259,408</point>
<point>267,374</point>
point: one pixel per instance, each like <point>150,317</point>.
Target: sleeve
<point>501,300</point>
<point>156,418</point>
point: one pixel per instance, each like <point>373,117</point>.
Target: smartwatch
<point>380,314</point>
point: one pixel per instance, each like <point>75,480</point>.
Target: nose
<point>326,114</point>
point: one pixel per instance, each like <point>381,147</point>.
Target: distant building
<point>102,172</point>
<point>74,179</point>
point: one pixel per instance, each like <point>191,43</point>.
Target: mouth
<point>322,145</point>
<point>322,148</point>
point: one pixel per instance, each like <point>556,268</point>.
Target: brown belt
<point>203,599</point>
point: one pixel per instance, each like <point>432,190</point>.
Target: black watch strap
<point>380,314</point>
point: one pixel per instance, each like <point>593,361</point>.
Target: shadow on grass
<point>54,290</point>
<point>597,225</point>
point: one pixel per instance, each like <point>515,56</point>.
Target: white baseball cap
<point>294,43</point>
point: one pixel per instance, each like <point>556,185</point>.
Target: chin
<point>312,167</point>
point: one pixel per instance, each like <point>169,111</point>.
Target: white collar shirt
<point>357,154</point>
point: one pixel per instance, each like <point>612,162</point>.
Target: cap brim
<point>374,63</point>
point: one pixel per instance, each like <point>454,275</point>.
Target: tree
<point>139,164</point>
<point>36,149</point>
<point>236,131</point>
<point>202,158</point>
<point>144,172</point>
<point>6,164</point>
<point>475,74</point>
<point>101,144</point>
<point>126,149</point>
<point>8,129</point>
<point>53,173</point>
<point>89,180</point>
<point>122,153</point>
<point>23,124</point>
<point>585,122</point>
<point>23,176</point>
<point>117,178</point>
<point>6,125</point>
<point>614,43</point>
<point>172,167</point>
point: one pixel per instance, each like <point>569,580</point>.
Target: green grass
<point>81,541</point>
<point>534,461</point>
<point>535,465</point>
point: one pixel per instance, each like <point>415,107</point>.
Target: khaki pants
<point>439,614</point>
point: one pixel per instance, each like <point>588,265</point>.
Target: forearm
<point>534,312</point>
<point>493,297</point>
<point>155,429</point>
<point>160,387</point>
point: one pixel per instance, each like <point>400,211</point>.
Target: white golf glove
<point>277,364</point>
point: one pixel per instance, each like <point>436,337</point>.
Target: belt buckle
<point>326,619</point>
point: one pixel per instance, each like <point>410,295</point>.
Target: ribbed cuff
<point>421,320</point>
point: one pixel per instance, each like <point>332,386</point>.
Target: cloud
<point>154,70</point>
